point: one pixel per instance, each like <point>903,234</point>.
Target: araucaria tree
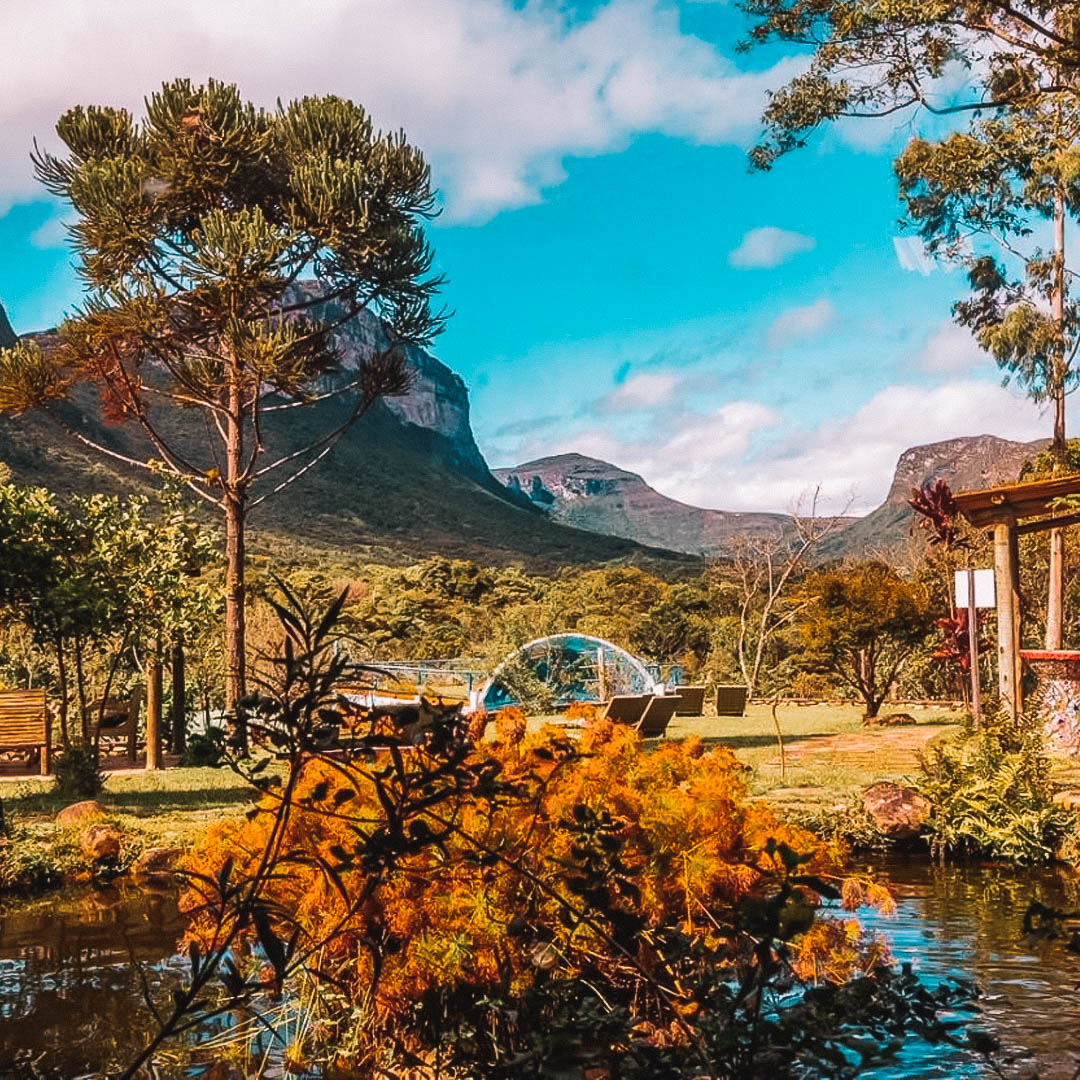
<point>194,229</point>
<point>995,193</point>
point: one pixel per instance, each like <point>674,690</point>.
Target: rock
<point>899,812</point>
<point>80,813</point>
<point>100,843</point>
<point>157,860</point>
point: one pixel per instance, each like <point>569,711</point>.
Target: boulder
<point>100,843</point>
<point>80,813</point>
<point>157,860</point>
<point>899,812</point>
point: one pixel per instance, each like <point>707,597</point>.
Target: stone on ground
<point>100,843</point>
<point>898,812</point>
<point>157,860</point>
<point>80,813</point>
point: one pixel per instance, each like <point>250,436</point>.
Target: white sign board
<point>984,588</point>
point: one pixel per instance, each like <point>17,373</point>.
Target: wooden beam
<point>1047,523</point>
<point>1008,630</point>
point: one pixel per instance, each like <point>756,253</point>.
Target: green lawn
<point>169,807</point>
<point>819,770</point>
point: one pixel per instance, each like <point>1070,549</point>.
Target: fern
<point>992,795</point>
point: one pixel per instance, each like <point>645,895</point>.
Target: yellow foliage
<point>494,900</point>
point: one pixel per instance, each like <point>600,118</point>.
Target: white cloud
<point>949,350</point>
<point>497,96</point>
<point>747,456</point>
<point>51,234</point>
<point>645,390</point>
<point>769,246</point>
<point>798,323</point>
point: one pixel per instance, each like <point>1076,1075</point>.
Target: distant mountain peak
<point>588,493</point>
<point>7,335</point>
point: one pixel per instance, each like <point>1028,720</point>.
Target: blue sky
<point>623,286</point>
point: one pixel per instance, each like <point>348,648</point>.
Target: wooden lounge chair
<point>626,708</point>
<point>24,724</point>
<point>658,713</point>
<point>691,700</point>
<point>730,700</point>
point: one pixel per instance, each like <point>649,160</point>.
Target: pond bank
<point>167,809</point>
<point>71,997</point>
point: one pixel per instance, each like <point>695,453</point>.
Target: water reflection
<point>967,921</point>
<point>72,996</point>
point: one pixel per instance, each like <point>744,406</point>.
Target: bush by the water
<point>991,793</point>
<point>538,907</point>
<point>77,772</point>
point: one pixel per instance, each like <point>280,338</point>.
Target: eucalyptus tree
<point>993,192</point>
<point>196,228</point>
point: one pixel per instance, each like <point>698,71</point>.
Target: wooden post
<point>153,707</point>
<point>973,647</point>
<point>1018,614</point>
<point>1008,616</point>
<point>134,708</point>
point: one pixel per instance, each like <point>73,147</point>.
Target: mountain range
<point>408,480</point>
<point>593,494</point>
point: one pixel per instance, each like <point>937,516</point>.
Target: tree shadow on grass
<point>165,801</point>
<point>753,742</point>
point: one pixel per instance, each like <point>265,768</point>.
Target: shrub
<point>534,906</point>
<point>589,901</point>
<point>204,748</point>
<point>78,772</point>
<point>582,710</point>
<point>992,795</point>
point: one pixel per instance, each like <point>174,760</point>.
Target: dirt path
<point>881,750</point>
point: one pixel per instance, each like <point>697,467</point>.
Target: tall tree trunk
<point>153,706</point>
<point>62,687</point>
<point>1055,601</point>
<point>235,496</point>
<point>179,694</point>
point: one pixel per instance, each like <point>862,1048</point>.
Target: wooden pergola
<point>1011,511</point>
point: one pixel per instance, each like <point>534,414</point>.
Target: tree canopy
<point>197,230</point>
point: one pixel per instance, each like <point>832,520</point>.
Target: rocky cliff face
<point>437,403</point>
<point>973,462</point>
<point>595,495</point>
<point>7,335</point>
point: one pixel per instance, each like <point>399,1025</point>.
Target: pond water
<point>72,1000</point>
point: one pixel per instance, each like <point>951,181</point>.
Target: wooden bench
<point>691,700</point>
<point>730,700</point>
<point>119,722</point>
<point>24,724</point>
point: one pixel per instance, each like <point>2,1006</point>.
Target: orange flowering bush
<point>569,852</point>
<point>533,906</point>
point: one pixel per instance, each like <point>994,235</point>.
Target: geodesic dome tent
<point>551,672</point>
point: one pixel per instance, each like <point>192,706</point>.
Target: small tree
<point>95,578</point>
<point>766,566</point>
<point>862,622</point>
<point>194,229</point>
